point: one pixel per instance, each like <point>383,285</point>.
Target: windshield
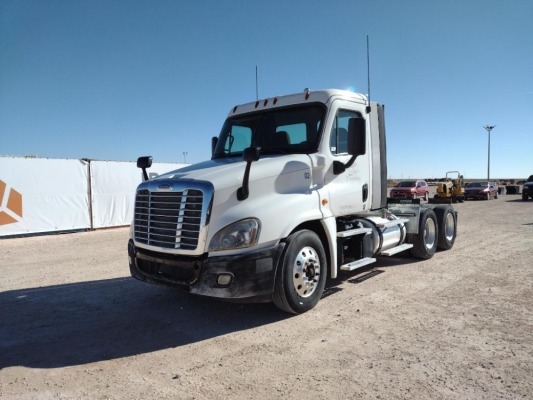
<point>406,184</point>
<point>477,184</point>
<point>278,131</point>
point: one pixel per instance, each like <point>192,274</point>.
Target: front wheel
<point>425,241</point>
<point>302,273</point>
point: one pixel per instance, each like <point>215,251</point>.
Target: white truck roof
<point>322,96</point>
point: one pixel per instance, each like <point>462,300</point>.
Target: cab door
<point>348,190</point>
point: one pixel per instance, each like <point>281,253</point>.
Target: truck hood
<point>229,172</point>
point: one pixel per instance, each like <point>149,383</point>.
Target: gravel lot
<point>74,325</point>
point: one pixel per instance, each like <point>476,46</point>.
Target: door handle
<point>365,192</point>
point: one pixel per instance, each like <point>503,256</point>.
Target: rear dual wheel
<point>447,224</point>
<point>425,241</point>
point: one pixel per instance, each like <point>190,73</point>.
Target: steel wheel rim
<point>449,227</point>
<point>430,233</point>
<point>306,272</point>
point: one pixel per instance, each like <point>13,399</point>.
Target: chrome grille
<point>168,219</point>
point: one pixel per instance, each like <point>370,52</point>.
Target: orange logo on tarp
<point>12,207</point>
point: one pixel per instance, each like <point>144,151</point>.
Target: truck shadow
<point>80,323</point>
<point>366,273</point>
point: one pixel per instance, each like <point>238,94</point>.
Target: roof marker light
<point>275,100</point>
<point>265,103</point>
<point>234,109</point>
<point>256,103</point>
<point>307,93</point>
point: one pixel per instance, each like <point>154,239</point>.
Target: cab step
<point>357,264</point>
<point>395,250</point>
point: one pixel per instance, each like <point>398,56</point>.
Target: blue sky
<point>113,80</point>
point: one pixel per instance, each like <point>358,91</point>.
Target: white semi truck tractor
<point>295,193</point>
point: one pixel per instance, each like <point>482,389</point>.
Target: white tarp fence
<point>40,195</point>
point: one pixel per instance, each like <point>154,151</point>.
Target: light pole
<point>489,128</point>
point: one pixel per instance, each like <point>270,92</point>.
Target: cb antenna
<point>256,85</point>
<point>368,65</point>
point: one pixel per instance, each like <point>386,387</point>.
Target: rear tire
<point>425,242</point>
<point>447,224</point>
<point>302,273</point>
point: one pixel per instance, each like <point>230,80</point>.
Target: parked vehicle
<point>451,190</point>
<point>410,190</point>
<point>527,189</point>
<point>295,192</point>
<point>481,190</point>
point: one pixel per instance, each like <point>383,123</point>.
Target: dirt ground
<point>74,325</point>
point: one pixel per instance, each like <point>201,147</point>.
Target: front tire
<point>425,241</point>
<point>302,273</point>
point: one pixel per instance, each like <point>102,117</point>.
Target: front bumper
<point>476,195</point>
<point>251,275</point>
<point>402,195</point>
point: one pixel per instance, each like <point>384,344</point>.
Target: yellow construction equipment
<point>451,190</point>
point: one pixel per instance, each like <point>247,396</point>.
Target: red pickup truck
<point>411,190</point>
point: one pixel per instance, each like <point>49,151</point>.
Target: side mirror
<point>214,142</point>
<point>251,154</point>
<point>357,136</point>
<point>144,163</point>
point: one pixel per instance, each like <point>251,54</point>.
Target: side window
<point>339,132</point>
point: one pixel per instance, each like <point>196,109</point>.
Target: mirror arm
<point>249,155</point>
<point>243,192</point>
<point>145,174</point>
<point>339,167</point>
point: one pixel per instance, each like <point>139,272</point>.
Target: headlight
<point>239,235</point>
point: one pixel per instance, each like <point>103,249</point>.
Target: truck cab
<point>295,192</point>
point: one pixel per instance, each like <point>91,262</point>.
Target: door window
<point>339,131</point>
